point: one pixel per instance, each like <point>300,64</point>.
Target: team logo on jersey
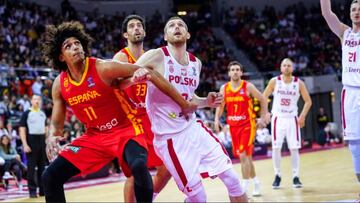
<point>170,62</point>
<point>90,82</point>
<point>294,86</point>
<point>171,69</point>
<point>194,71</point>
<point>183,71</point>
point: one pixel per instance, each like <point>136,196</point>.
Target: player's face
<point>286,67</point>
<point>176,32</point>
<point>355,13</point>
<point>235,72</point>
<point>72,51</point>
<point>135,31</point>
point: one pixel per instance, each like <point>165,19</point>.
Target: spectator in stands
<point>24,102</point>
<point>322,121</point>
<point>12,161</point>
<point>32,132</point>
<point>37,86</point>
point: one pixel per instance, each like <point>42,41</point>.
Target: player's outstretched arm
<point>254,92</point>
<point>219,111</point>
<point>336,26</point>
<point>307,105</point>
<point>57,121</point>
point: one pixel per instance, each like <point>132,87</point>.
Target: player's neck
<point>179,53</point>
<point>76,71</point>
<point>355,27</point>
<point>136,49</point>
<point>235,83</point>
<point>286,78</point>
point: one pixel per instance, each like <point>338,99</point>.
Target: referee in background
<point>32,132</point>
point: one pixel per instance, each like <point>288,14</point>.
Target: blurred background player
<point>240,117</point>
<point>285,122</point>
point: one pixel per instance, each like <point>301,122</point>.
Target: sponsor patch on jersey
<point>193,71</point>
<point>242,91</point>
<point>90,82</point>
<point>73,148</point>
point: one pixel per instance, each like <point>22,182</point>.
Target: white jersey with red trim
<point>351,58</point>
<point>286,96</point>
<point>164,113</point>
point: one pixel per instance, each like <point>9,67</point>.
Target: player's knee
<point>198,196</point>
<point>48,177</point>
<point>232,183</point>
<point>163,173</point>
<point>138,165</point>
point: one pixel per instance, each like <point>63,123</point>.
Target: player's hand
<point>214,99</point>
<point>301,121</point>
<point>141,75</point>
<point>52,147</point>
<point>267,118</point>
<point>260,123</point>
<point>27,149</point>
<point>188,109</point>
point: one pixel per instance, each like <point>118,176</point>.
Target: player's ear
<point>188,35</point>
<point>61,58</point>
<point>144,33</point>
<point>165,37</point>
<point>126,35</point>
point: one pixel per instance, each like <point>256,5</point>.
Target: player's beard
<point>137,40</point>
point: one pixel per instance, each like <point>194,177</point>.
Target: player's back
<point>164,113</point>
<point>92,101</point>
<point>238,104</point>
<point>286,96</point>
<point>350,58</point>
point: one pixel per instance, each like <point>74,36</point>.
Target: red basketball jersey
<point>93,102</point>
<point>136,93</point>
<point>238,105</point>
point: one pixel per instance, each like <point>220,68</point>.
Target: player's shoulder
<point>121,56</point>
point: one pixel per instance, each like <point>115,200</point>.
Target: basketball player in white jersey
<point>188,149</point>
<point>350,97</point>
<point>285,121</point>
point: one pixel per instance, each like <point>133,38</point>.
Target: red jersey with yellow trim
<point>238,105</point>
<point>137,92</point>
<point>93,102</point>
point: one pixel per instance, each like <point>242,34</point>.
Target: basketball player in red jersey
<point>241,119</point>
<point>133,29</point>
<point>84,85</point>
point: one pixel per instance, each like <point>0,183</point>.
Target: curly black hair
<point>56,35</point>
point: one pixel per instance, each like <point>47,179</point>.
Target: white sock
<point>276,157</point>
<point>295,162</point>
<point>154,195</point>
<point>255,180</point>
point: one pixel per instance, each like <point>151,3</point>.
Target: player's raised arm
<point>336,26</point>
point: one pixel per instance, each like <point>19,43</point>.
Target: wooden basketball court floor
<point>327,176</point>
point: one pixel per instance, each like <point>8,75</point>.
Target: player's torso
<point>163,112</point>
<point>92,101</point>
<point>238,104</point>
<point>286,96</point>
<point>351,58</point>
<point>136,93</point>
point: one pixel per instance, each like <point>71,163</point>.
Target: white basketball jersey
<point>164,113</point>
<point>351,58</point>
<point>286,97</point>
